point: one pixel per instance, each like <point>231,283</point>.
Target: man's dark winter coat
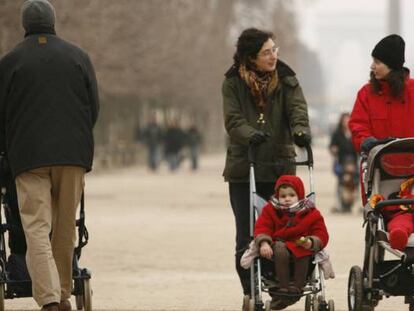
<point>48,104</point>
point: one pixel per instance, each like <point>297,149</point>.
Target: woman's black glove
<point>368,144</point>
<point>258,138</point>
<point>302,139</point>
<point>371,142</point>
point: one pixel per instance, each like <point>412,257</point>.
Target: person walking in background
<point>193,143</point>
<point>152,136</point>
<point>345,164</point>
<point>174,141</point>
<point>264,108</point>
<point>48,108</point>
<point>384,107</point>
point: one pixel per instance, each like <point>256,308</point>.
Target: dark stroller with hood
<point>14,278</point>
<point>386,271</point>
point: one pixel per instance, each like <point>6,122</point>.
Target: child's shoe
<point>398,239</point>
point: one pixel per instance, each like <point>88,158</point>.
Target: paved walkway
<point>165,241</point>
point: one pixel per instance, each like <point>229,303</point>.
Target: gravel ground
<point>165,241</point>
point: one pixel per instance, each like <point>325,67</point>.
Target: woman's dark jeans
<point>240,201</point>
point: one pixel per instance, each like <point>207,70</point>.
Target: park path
<point>164,241</point>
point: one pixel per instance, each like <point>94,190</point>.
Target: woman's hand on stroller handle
<point>251,154</point>
<point>302,139</point>
<point>371,142</point>
<point>258,138</point>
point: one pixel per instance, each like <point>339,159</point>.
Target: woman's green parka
<point>286,113</point>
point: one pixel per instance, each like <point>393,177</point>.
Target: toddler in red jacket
<point>290,228</point>
<point>399,218</point>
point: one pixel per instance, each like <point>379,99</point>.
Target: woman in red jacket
<point>384,107</point>
<point>288,231</point>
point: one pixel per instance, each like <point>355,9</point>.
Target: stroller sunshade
<point>398,164</point>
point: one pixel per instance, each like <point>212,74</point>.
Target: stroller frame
<point>379,277</point>
<point>81,276</point>
<point>314,289</point>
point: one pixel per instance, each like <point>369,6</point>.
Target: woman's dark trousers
<point>240,202</point>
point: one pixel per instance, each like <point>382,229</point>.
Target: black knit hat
<point>390,51</point>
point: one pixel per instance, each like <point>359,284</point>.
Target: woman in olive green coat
<point>264,108</point>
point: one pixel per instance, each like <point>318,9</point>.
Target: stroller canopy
<point>394,159</point>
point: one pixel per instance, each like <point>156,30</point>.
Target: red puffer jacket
<point>280,225</point>
<point>381,115</point>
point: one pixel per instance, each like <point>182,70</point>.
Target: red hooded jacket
<point>283,225</point>
<point>381,115</point>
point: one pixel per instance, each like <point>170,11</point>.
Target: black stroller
<point>14,279</point>
<point>262,276</point>
<point>386,271</point>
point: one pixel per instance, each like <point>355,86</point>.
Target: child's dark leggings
<point>282,258</point>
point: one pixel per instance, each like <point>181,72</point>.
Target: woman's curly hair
<point>249,44</point>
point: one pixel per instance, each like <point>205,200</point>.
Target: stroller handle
<point>251,153</point>
<point>380,205</point>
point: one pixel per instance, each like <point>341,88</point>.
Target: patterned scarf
<point>261,86</point>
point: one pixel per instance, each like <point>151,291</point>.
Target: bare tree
<point>169,54</point>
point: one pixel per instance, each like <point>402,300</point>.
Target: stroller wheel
<point>315,304</point>
<point>251,305</point>
<point>331,305</point>
<point>79,302</point>
<point>84,300</point>
<point>355,289</point>
<point>308,302</point>
<point>87,295</point>
<point>2,297</point>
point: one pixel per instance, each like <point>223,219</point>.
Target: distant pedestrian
<point>48,108</point>
<point>152,136</point>
<point>345,164</point>
<point>193,138</point>
<point>174,141</point>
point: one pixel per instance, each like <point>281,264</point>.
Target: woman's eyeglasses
<point>267,53</point>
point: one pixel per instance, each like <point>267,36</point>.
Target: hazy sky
<point>344,33</point>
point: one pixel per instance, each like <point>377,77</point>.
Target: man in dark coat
<point>48,107</point>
